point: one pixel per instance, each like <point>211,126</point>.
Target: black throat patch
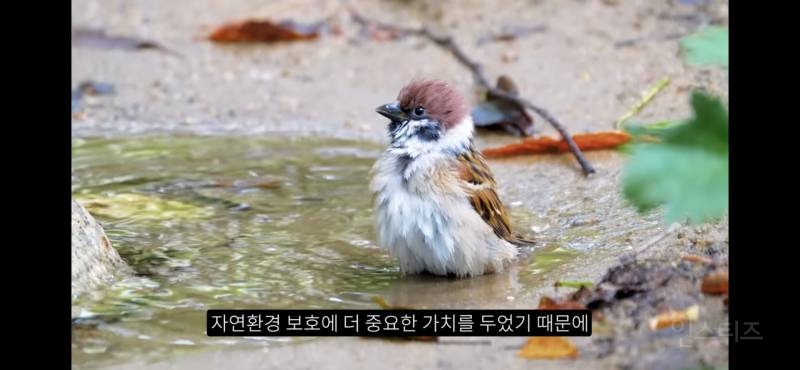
<point>429,132</point>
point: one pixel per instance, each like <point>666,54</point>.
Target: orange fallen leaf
<point>548,348</point>
<point>668,318</point>
<point>547,303</point>
<point>545,144</point>
<point>715,283</point>
<point>697,259</point>
<point>264,31</point>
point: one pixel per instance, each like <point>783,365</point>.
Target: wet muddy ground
<point>587,66</point>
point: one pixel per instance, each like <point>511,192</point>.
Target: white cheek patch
<point>411,128</point>
<point>457,138</point>
<point>407,143</point>
<point>402,132</point>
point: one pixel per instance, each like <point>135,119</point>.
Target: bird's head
<point>428,113</point>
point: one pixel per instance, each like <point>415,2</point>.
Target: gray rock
<point>95,262</point>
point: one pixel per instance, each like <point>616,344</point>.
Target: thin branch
<point>658,238</point>
<point>446,42</point>
<point>639,250</point>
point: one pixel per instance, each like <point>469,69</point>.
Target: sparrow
<point>435,199</point>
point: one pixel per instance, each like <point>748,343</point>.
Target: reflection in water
<point>489,291</point>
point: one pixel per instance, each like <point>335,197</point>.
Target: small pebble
<point>509,57</point>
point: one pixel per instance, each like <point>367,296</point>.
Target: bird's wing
<point>481,188</point>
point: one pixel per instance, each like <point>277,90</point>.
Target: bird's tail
<point>522,241</point>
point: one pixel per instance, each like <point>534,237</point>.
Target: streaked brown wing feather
<point>483,193</point>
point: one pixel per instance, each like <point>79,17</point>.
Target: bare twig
<point>639,250</point>
<point>509,34</point>
<point>655,240</point>
<point>446,42</point>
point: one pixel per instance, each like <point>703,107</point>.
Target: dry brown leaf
<point>264,31</point>
<point>668,318</point>
<point>548,348</point>
<point>545,144</point>
<point>697,259</point>
<point>715,282</point>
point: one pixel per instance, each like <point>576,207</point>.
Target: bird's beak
<point>392,111</point>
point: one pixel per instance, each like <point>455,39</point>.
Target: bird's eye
<point>419,111</point>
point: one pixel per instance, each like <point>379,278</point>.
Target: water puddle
<point>249,223</point>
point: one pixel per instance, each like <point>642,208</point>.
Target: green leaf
<point>708,46</point>
<point>688,170</point>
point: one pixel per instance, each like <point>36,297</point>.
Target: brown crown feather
<point>441,101</point>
